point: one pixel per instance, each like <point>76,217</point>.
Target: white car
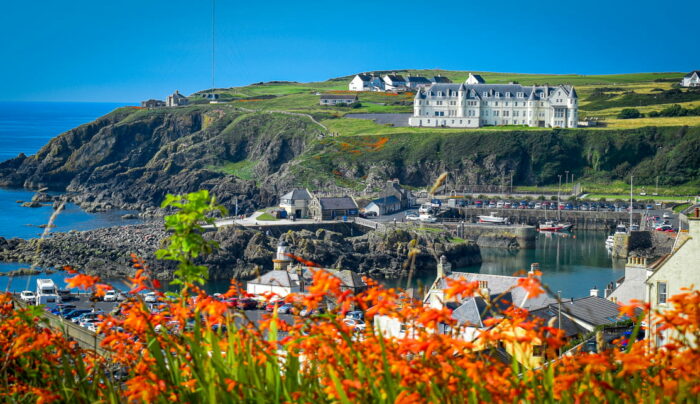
<point>427,218</point>
<point>27,296</point>
<point>666,215</point>
<point>150,297</point>
<point>110,296</point>
<point>412,217</point>
<point>357,325</point>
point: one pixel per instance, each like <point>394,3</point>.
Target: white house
<point>383,206</point>
<point>475,79</point>
<point>296,203</point>
<point>394,82</point>
<point>675,271</point>
<point>691,79</point>
<point>366,82</point>
<point>176,99</point>
<point>477,105</point>
<point>416,82</point>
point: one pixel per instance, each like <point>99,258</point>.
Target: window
<point>497,94</point>
<point>495,113</point>
<point>661,292</point>
<point>483,284</point>
<point>486,93</point>
<point>505,113</point>
<point>507,94</point>
<point>521,95</point>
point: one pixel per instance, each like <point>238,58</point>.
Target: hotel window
<point>497,94</point>
<point>521,95</point>
<point>505,113</point>
<point>495,113</point>
<point>486,94</point>
<point>661,292</point>
<point>507,95</point>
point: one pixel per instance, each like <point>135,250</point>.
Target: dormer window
<point>497,94</point>
<point>507,95</point>
<point>486,93</point>
<point>521,95</point>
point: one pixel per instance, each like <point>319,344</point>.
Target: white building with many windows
<point>476,105</point>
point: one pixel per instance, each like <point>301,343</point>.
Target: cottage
<point>176,99</point>
<point>476,105</point>
<point>406,198</point>
<point>296,203</point>
<point>152,104</point>
<point>440,80</point>
<point>415,82</point>
<point>691,79</point>
<point>589,312</point>
<point>333,208</point>
<point>384,205</point>
<point>337,99</point>
<point>474,79</point>
<point>394,82</point>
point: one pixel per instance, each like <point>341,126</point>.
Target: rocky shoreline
<point>242,252</point>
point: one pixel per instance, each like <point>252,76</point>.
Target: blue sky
<point>132,50</point>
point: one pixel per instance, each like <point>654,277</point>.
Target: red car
<point>271,306</point>
<point>247,304</point>
<point>232,302</point>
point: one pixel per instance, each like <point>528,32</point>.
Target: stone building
<point>333,208</point>
<point>176,99</point>
<point>296,203</point>
<point>476,105</point>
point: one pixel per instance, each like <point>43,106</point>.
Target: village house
<point>176,99</point>
<point>691,79</point>
<point>296,203</point>
<point>440,80</point>
<point>332,208</point>
<point>405,197</point>
<point>474,79</point>
<point>286,278</point>
<point>416,82</point>
<point>366,82</point>
<point>384,205</point>
<point>476,105</point>
<point>152,104</point>
<point>394,82</point>
<point>337,99</point>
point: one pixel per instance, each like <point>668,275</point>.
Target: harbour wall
<point>583,220</point>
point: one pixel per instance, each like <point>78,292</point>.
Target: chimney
<point>534,267</point>
<point>594,291</point>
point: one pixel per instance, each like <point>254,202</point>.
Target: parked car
<point>357,325</point>
<point>427,218</point>
<point>85,316</point>
<point>666,215</point>
<point>271,305</point>
<point>247,304</point>
<point>65,294</point>
<point>150,297</point>
<point>412,217</point>
<point>286,308</point>
<point>306,312</point>
<point>357,315</point>
<point>27,296</point>
<point>70,315</point>
<point>110,296</point>
<point>59,309</point>
<point>664,227</point>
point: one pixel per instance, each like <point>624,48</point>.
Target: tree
<point>629,113</point>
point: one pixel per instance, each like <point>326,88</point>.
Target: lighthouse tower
<point>282,260</point>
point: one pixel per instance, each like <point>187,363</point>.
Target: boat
<point>492,218</point>
<point>621,229</point>
<point>609,242</point>
<point>555,226</point>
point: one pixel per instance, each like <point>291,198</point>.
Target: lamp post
<point>559,199</point>
<point>566,181</point>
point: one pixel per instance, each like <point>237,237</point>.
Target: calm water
<point>572,265</point>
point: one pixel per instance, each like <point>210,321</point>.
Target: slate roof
<point>476,91</point>
<point>339,203</point>
<point>499,284</point>
<point>338,96</point>
<point>440,79</point>
<point>394,77</point>
<point>569,326</point>
<point>389,200</point>
<point>591,309</point>
<point>478,78</point>
<point>349,278</point>
<point>417,80</point>
<point>364,76</point>
<point>691,74</point>
<point>474,310</point>
<point>274,278</point>
<point>297,195</point>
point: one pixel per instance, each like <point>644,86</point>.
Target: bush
<point>629,113</point>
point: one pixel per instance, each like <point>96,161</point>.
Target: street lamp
<point>567,178</point>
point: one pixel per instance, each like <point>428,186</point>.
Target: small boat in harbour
<point>492,218</point>
<point>555,226</point>
<point>609,242</point>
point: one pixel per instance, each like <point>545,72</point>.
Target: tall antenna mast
<point>213,46</point>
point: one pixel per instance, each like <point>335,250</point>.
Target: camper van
<point>46,292</point>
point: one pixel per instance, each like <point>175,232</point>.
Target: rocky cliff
<point>131,158</point>
<point>241,253</point>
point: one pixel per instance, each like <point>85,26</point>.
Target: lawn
<point>266,217</point>
<point>242,169</point>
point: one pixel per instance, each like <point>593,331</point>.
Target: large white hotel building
<point>474,104</point>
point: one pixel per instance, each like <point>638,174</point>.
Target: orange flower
<point>82,281</point>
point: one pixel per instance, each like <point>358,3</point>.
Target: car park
<point>357,325</point>
<point>247,304</point>
<point>286,308</point>
<point>666,215</point>
<point>70,315</point>
<point>427,218</point>
<point>664,227</point>
<point>412,217</point>
<point>271,305</point>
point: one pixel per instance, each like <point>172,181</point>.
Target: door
<point>297,213</point>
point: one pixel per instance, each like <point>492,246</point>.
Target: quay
<point>582,220</point>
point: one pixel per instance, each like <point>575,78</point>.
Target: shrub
<point>629,113</point>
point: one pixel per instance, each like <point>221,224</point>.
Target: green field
<point>241,169</point>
